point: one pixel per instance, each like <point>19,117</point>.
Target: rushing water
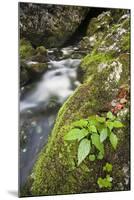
<point>39,107</point>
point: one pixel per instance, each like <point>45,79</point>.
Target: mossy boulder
<point>49,25</point>
<point>33,62</point>
<point>30,71</point>
<point>40,55</point>
<point>107,28</point>
<point>56,170</point>
<point>25,49</point>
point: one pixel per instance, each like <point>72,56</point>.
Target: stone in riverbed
<point>33,62</point>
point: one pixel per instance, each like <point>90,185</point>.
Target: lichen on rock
<point>48,24</point>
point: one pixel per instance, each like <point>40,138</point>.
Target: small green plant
<point>108,167</point>
<point>107,181</point>
<point>91,134</point>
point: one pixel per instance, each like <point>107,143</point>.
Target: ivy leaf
<point>83,150</point>
<point>80,123</point>
<point>75,134</point>
<point>92,157</point>
<point>92,128</point>
<point>96,141</point>
<point>103,134</point>
<point>117,124</point>
<point>110,116</point>
<point>113,140</point>
<point>109,125</point>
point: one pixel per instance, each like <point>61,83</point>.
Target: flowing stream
<point>40,105</point>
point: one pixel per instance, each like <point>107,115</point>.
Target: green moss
<point>125,42</point>
<point>95,58</point>
<point>90,64</point>
<point>26,49</point>
<point>38,68</point>
<point>41,50</point>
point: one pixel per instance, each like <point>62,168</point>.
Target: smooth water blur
<point>39,107</point>
<point>59,81</point>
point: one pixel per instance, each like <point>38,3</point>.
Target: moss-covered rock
<point>29,71</point>
<point>107,29</point>
<point>33,62</point>
<point>40,55</point>
<point>26,49</point>
<point>56,170</point>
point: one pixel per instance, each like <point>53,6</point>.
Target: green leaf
<point>84,133</point>
<point>108,167</point>
<point>92,157</point>
<point>75,134</point>
<point>100,127</point>
<point>80,123</point>
<point>114,140</point>
<point>83,150</point>
<point>100,156</point>
<point>92,128</point>
<point>92,120</point>
<point>100,119</point>
<point>117,124</point>
<point>103,134</point>
<point>110,116</point>
<point>109,125</point>
<point>96,141</point>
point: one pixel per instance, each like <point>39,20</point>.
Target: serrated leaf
<point>100,119</point>
<point>109,125</point>
<point>114,140</point>
<point>110,116</point>
<point>96,141</point>
<point>80,123</point>
<point>103,134</point>
<point>117,124</point>
<point>92,129</point>
<point>83,150</point>
<point>92,157</point>
<point>75,134</point>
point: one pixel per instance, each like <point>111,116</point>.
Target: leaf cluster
<point>91,134</point>
<point>107,181</point>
